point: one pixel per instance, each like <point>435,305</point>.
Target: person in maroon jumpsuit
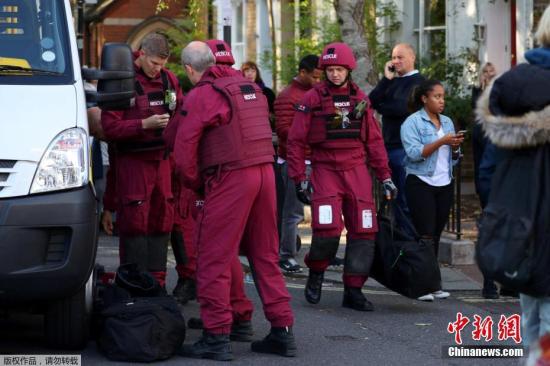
<point>223,147</point>
<point>145,206</point>
<point>241,329</point>
<point>336,121</point>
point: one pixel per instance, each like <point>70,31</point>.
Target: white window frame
<point>422,31</point>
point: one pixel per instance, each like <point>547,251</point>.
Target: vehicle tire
<point>67,321</point>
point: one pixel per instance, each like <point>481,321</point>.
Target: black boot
<point>490,290</point>
<point>356,300</point>
<point>185,290</point>
<point>241,331</point>
<point>212,346</point>
<point>314,286</point>
<point>279,341</point>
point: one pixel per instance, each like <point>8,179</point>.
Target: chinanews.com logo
<point>508,328</point>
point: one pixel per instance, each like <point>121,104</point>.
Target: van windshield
<point>34,46</point>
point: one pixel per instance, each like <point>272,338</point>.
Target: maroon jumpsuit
<point>341,149</point>
<point>239,208</point>
<point>143,175</point>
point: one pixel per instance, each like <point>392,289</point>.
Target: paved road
<point>400,331</point>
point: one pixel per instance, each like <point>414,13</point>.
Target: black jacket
<point>390,98</point>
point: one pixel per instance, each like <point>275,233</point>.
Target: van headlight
<point>64,165</point>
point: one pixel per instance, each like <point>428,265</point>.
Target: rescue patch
<point>341,101</point>
<point>249,93</point>
<point>301,108</point>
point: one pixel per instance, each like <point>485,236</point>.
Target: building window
<point>429,21</point>
<point>238,38</point>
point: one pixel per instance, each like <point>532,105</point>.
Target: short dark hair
<point>155,44</point>
<point>308,63</point>
<point>415,99</point>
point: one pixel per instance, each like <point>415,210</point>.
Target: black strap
<point>165,83</point>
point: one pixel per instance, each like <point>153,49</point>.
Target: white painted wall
<point>263,39</point>
<point>497,44</point>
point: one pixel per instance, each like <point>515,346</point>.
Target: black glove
<point>390,190</point>
<point>303,192</point>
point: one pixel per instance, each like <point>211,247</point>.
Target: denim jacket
<point>417,131</point>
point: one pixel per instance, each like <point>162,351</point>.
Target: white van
<point>48,208</point>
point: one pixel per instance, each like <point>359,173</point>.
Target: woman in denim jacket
<point>430,143</point>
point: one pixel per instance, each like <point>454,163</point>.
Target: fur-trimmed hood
<point>529,124</point>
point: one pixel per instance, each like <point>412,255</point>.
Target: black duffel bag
<point>402,263</point>
<point>142,329</point>
<point>514,232</point>
<point>137,321</point>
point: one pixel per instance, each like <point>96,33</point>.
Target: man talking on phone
<point>390,98</point>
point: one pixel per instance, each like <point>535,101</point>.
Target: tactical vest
<point>147,104</point>
<point>248,133</point>
<point>333,122</point>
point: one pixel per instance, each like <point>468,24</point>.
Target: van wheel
<point>67,321</point>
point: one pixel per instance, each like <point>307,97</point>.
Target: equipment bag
<point>404,265</point>
<point>514,231</point>
<point>142,329</point>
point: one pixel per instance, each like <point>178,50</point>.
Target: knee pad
<point>359,256</point>
<point>323,248</point>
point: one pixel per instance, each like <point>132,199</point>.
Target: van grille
<point>7,164</point>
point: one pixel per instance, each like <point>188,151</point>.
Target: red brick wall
<point>100,33</point>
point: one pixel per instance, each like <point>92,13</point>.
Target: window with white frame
<point>238,39</point>
<point>429,22</point>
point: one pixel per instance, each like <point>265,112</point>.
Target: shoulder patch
<point>301,108</point>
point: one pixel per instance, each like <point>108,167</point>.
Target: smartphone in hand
<point>391,68</point>
<point>462,132</point>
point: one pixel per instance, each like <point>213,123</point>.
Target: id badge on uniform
<point>170,99</point>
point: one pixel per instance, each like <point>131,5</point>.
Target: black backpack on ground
<point>138,322</point>
<point>514,231</point>
<point>402,263</point>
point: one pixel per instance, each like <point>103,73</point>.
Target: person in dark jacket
<point>390,99</point>
<point>479,144</point>
<point>285,108</point>
<point>515,113</point>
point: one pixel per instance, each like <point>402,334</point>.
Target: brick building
<point>125,21</point>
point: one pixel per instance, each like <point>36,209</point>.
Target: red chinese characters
<point>457,326</point>
<point>509,327</point>
<point>482,328</point>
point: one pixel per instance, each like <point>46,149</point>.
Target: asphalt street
<point>399,331</point>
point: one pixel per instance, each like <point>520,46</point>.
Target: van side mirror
<point>115,88</point>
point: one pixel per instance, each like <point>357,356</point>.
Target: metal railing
<point>455,216</point>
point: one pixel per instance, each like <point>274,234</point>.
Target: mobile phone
<point>462,132</point>
<point>391,68</point>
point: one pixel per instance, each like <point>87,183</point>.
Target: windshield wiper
<point>20,69</point>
